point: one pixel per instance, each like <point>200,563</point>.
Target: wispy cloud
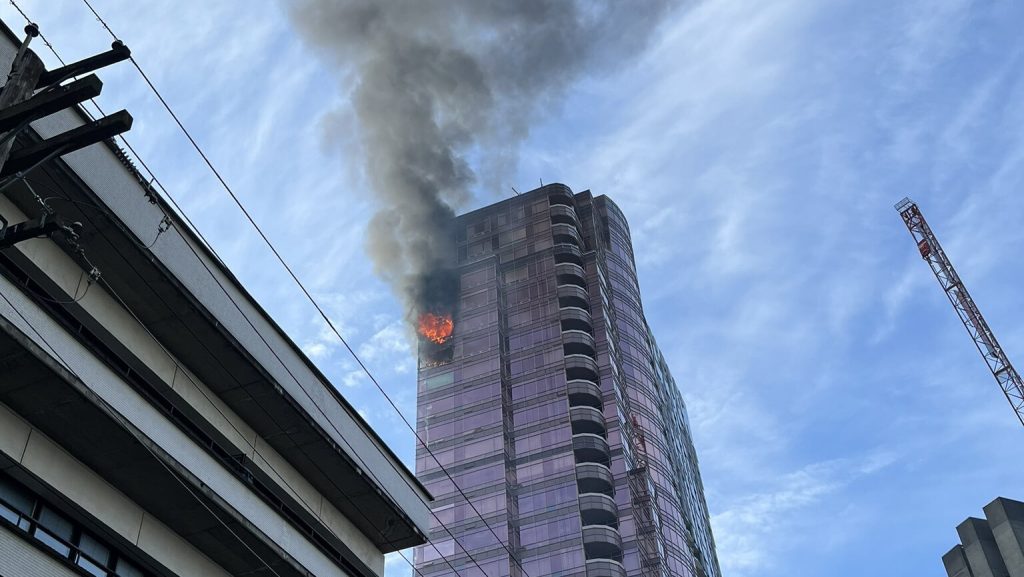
<point>757,530</point>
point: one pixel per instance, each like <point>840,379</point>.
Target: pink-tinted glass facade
<point>556,413</point>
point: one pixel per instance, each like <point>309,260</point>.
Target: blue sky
<point>844,422</point>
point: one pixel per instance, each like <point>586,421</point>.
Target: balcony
<point>571,274</point>
<point>565,233</point>
<point>575,342</point>
<point>587,420</point>
<point>561,214</point>
<point>568,253</point>
<point>599,509</point>
<point>581,367</point>
<point>605,568</point>
<point>571,295</point>
<point>576,319</point>
<point>585,393</point>
<point>601,542</point>
<point>560,195</point>
<point>590,448</point>
<point>595,478</point>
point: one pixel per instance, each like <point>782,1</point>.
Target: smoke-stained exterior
<point>550,365</point>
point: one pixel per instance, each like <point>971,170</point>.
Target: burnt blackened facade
<point>553,409</point>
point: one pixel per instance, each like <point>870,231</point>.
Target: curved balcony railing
<point>571,295</point>
<point>599,509</point>
<point>587,420</point>
<point>568,252</point>
<point>566,230</point>
<point>577,342</point>
<point>571,274</point>
<point>560,195</point>
<point>605,568</point>
<point>581,367</point>
<point>576,319</point>
<point>601,542</point>
<point>585,393</point>
<point>566,239</point>
<point>595,478</point>
<point>590,448</point>
<point>562,214</point>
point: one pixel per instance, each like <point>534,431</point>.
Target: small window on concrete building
<point>54,531</point>
<point>93,556</point>
<point>15,502</point>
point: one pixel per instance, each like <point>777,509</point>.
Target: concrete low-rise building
<point>156,421</point>
<point>990,547</point>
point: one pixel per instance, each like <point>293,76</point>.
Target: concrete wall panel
<point>174,552</point>
<point>14,433</point>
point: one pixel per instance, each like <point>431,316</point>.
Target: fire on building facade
<point>553,409</point>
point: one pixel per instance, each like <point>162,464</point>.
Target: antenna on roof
<point>515,191</point>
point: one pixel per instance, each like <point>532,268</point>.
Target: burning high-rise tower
<point>547,400</point>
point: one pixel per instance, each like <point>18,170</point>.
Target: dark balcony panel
<point>566,239</point>
<point>590,448</point>
<point>605,568</point>
<point>566,230</point>
<point>595,478</point>
<point>599,509</point>
<point>571,295</point>
<point>587,420</point>
<point>568,253</point>
<point>601,542</point>
<point>581,367</point>
<point>585,393</point>
<point>576,319</point>
<point>572,279</point>
<point>561,195</point>
<point>578,343</point>
<point>568,268</point>
<point>561,214</point>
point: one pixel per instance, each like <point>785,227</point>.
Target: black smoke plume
<point>437,81</point>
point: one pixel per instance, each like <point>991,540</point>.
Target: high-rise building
<point>553,409</point>
<point>154,420</point>
<point>990,547</point>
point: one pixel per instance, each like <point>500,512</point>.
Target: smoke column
<point>437,81</point>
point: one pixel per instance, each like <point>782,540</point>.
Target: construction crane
<point>963,304</point>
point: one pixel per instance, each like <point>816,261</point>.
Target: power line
<point>185,372</point>
<point>298,282</point>
<point>163,227</point>
<point>291,273</point>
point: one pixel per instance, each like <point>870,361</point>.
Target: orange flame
<point>436,328</point>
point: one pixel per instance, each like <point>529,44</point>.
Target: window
<point>441,380</point>
<point>93,556</point>
<point>65,537</point>
<point>15,503</point>
<point>54,530</point>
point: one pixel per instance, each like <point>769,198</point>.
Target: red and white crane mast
<point>963,304</point>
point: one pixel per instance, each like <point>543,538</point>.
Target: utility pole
<point>21,83</point>
<point>32,92</point>
<point>984,339</point>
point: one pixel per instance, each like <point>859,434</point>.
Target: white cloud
<point>787,514</point>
